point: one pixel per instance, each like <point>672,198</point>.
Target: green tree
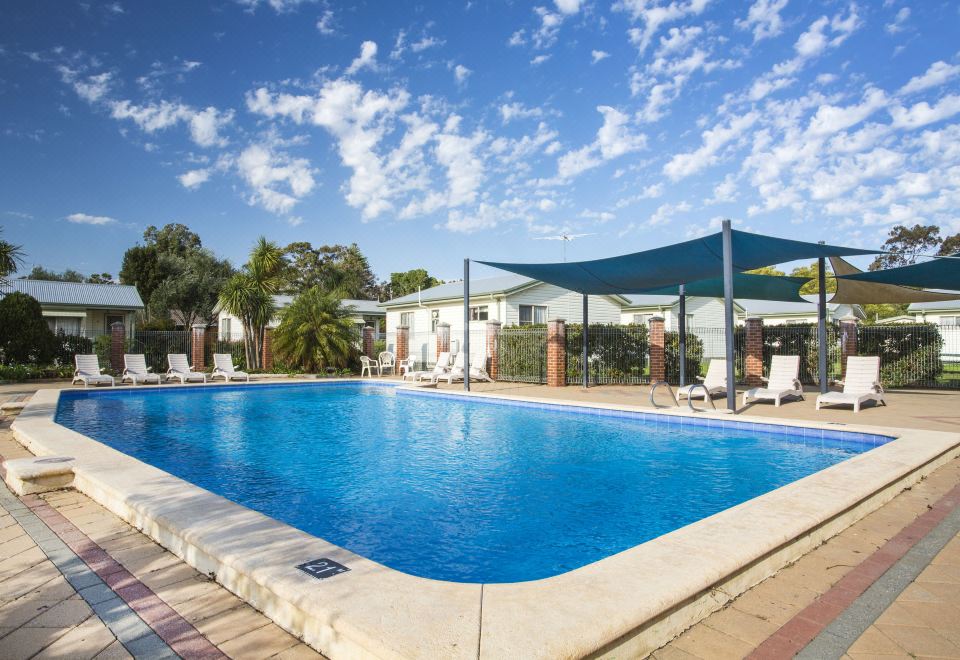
<point>339,270</point>
<point>25,337</point>
<point>411,281</point>
<point>813,272</point>
<point>173,238</point>
<point>11,257</point>
<point>766,270</point>
<point>143,268</point>
<point>248,295</point>
<point>905,244</point>
<point>879,311</point>
<point>315,332</point>
<point>41,273</point>
<point>950,246</point>
<point>100,278</point>
<point>191,292</point>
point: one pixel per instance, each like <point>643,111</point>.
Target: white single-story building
<point>362,312</point>
<point>701,312</point>
<point>75,308</point>
<point>514,300</point>
<point>793,313</point>
<point>946,314</point>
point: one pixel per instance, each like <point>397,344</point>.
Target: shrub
<point>67,346</point>
<point>24,334</point>
<point>672,356</point>
<point>908,354</point>
<point>522,354</point>
<point>616,353</point>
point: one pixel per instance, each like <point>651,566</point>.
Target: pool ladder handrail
<point>706,395</point>
<point>673,396</point>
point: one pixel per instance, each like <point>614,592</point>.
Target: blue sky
<point>427,132</point>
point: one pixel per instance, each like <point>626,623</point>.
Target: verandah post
<point>728,314</point>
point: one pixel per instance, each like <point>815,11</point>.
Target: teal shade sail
<point>745,286</point>
<point>933,274</point>
<point>681,263</point>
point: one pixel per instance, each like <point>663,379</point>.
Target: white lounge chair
<point>88,371</point>
<point>715,382</point>
<point>407,366</point>
<point>783,381</point>
<point>135,370</point>
<point>223,367</point>
<point>368,365</point>
<point>861,383</point>
<point>180,368</point>
<point>386,360</point>
<point>441,367</point>
<point>455,373</point>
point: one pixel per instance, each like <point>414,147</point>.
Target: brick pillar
<point>196,346</point>
<point>266,360</point>
<point>754,355</point>
<point>493,344</point>
<point>443,338</point>
<point>658,362</point>
<point>403,344</point>
<point>556,353</point>
<point>118,338</point>
<point>848,341</point>
<point>368,343</point>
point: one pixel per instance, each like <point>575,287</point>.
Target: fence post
<point>197,343</point>
<point>443,338</point>
<point>753,360</point>
<point>266,360</point>
<point>368,342</point>
<point>848,342</point>
<point>658,362</point>
<point>403,343</point>
<point>556,353</point>
<point>493,349</point>
<point>118,338</point>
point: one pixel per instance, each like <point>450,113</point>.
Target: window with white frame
<point>479,313</point>
<point>434,320</point>
<point>642,319</point>
<point>406,318</point>
<point>64,325</point>
<point>950,320</point>
<point>225,328</point>
<point>533,314</point>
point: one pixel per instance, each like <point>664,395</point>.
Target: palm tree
<point>11,257</point>
<point>248,295</point>
<point>315,332</point>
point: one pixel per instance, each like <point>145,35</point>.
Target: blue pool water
<point>446,488</point>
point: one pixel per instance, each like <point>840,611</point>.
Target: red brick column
<point>118,339</point>
<point>493,344</point>
<point>266,360</point>
<point>443,338</point>
<point>368,343</point>
<point>196,346</point>
<point>848,341</point>
<point>754,354</point>
<point>556,353</point>
<point>658,362</point>
<point>403,344</point>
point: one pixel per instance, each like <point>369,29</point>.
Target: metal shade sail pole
<point>466,324</point>
<point>586,333</point>
<point>682,327</point>
<point>728,314</point>
<point>822,323</point>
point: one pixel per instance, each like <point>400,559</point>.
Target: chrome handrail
<point>706,395</point>
<point>673,396</point>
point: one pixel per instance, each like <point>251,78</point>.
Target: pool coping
<point>629,603</point>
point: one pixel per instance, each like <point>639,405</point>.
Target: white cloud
<point>367,58</point>
<point>550,23</point>
<point>280,6</point>
<point>90,88</point>
<point>278,181</point>
<point>724,192</point>
<point>425,43</point>
<point>923,113</point>
<point>653,15</point>
<point>685,164</point>
<point>938,73</point>
<point>764,19</point>
<point>194,178</point>
<point>326,25</point>
<point>294,220</point>
<point>539,59</point>
<point>614,139</point>
<point>830,119</point>
<point>204,125</point>
<point>599,216</point>
<point>598,55</point>
<point>546,205</point>
<point>567,6</point>
<point>461,73</point>
<point>898,21</point>
<point>518,38</point>
<point>665,213</point>
<point>517,110</point>
<point>87,219</point>
<point>399,46</point>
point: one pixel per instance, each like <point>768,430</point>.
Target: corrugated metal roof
<point>479,287</point>
<point>951,305</point>
<point>360,306</point>
<point>113,296</point>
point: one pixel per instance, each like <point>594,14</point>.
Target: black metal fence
<point>616,354</point>
<point>522,354</point>
<point>802,339</point>
<point>157,344</point>
<point>231,344</point>
<point>922,355</point>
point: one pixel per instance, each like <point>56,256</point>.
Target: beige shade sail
<point>853,292</point>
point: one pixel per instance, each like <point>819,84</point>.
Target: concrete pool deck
<point>492,651</point>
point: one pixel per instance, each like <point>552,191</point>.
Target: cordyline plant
<point>315,333</point>
<point>248,295</point>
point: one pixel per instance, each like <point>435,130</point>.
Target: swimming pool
<point>448,488</point>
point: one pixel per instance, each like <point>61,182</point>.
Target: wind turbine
<point>565,237</point>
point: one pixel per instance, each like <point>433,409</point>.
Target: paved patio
<point>78,582</point>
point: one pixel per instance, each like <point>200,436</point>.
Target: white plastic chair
<point>88,371</point>
<point>861,384</point>
<point>783,381</point>
<point>715,382</point>
<point>224,368</point>
<point>386,360</point>
<point>180,368</point>
<point>368,365</point>
<point>135,369</point>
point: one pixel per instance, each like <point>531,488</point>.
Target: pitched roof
<point>359,306</point>
<point>772,307</point>
<point>114,296</point>
<point>927,306</point>
<point>478,287</point>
